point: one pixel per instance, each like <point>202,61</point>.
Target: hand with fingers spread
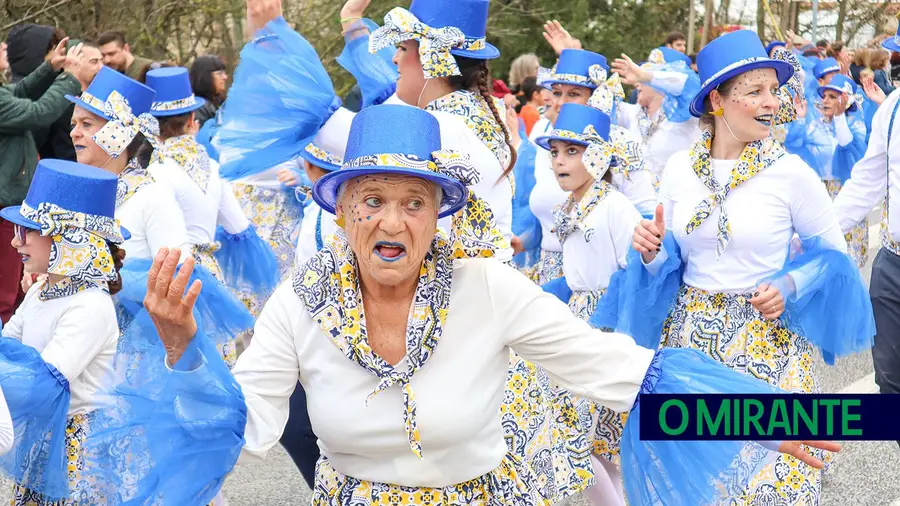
<point>800,106</point>
<point>768,300</point>
<point>794,449</point>
<point>630,72</point>
<point>648,235</point>
<point>260,12</point>
<point>872,90</point>
<point>559,38</point>
<point>58,56</point>
<point>170,308</point>
<point>287,177</point>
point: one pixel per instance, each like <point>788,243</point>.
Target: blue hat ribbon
<point>434,43</point>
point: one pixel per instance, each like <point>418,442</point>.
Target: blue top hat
<point>772,45</point>
<point>841,84</point>
<point>377,146</point>
<point>139,97</point>
<point>573,68</point>
<point>321,158</point>
<point>673,56</point>
<point>826,66</point>
<point>72,186</point>
<point>892,43</point>
<point>470,16</point>
<point>174,95</point>
<point>731,55</point>
<point>571,123</point>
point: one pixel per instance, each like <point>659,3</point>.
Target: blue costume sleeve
<point>637,303</point>
<point>280,98</point>
<point>690,473</point>
<point>524,224</point>
<point>37,395</point>
<point>247,262</point>
<point>376,73</point>
<point>558,287</point>
<point>677,108</point>
<point>171,437</point>
<point>807,138</point>
<point>827,300</point>
<point>205,135</point>
<point>869,110</point>
<point>845,157</point>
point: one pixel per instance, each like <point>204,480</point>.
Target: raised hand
<point>170,308</point>
<point>58,56</point>
<point>630,72</point>
<point>260,12</point>
<point>354,8</point>
<point>648,235</point>
<point>559,38</point>
<point>287,177</point>
<point>872,90</point>
<point>794,449</point>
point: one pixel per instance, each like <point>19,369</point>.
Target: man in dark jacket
<point>28,46</point>
<point>34,102</point>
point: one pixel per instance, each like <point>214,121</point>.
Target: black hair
<point>530,87</point>
<point>118,255</point>
<point>201,78</point>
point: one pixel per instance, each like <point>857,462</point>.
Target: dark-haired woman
<point>209,80</point>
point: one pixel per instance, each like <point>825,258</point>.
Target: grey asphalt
<point>863,474</point>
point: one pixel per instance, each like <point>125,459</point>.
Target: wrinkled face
<point>84,125</point>
<point>646,94</point>
<point>115,55</point>
<point>220,80</point>
<point>34,250</point>
<point>831,104</point>
<point>569,94</point>
<point>412,77</point>
<point>390,222</point>
<point>93,61</point>
<point>750,105</point>
<point>568,167</point>
<point>679,45</point>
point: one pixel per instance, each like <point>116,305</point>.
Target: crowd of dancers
<point>436,300</point>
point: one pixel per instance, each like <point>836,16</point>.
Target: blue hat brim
<point>322,164</point>
<point>198,103</point>
<point>544,141</point>
<point>821,91</point>
<point>13,215</point>
<point>890,44</point>
<point>548,83</point>
<point>325,191</point>
<point>488,53</point>
<point>80,103</point>
<point>783,69</point>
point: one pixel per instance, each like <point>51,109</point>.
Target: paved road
<point>864,474</point>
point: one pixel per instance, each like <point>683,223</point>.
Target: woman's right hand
<point>260,12</point>
<point>170,308</point>
<point>559,38</point>
<point>872,90</point>
<point>287,177</point>
<point>648,235</point>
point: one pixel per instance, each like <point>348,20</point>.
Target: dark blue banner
<point>872,417</point>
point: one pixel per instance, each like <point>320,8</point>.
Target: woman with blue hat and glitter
<point>235,255</point>
<point>381,321</point>
<point>719,253</point>
<point>57,352</point>
<point>110,122</point>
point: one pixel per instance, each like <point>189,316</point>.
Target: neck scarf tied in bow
<point>607,91</point>
<point>117,134</point>
<point>570,215</point>
<point>190,156</point>
<point>756,157</point>
<point>78,248</point>
<point>434,43</point>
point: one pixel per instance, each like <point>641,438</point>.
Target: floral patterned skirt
<point>727,328</point>
<point>548,268</point>
<point>510,484</point>
<point>204,254</point>
<point>858,236</point>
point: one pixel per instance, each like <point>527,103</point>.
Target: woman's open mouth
<point>765,119</point>
<point>389,251</point>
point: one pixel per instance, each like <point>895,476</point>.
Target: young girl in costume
<point>317,225</point>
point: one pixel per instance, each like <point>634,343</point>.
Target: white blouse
<point>765,212</point>
<point>77,335</point>
<point>458,393</point>
<point>589,265</point>
<point>306,245</point>
<point>455,135</point>
<point>153,218</point>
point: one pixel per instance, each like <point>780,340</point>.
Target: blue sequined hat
<point>772,45</point>
<point>731,55</point>
<point>174,95</point>
<point>321,158</point>
<point>94,99</point>
<point>892,43</point>
<point>841,84</point>
<point>826,66</point>
<point>574,67</point>
<point>571,124</point>
<point>379,145</point>
<point>469,16</point>
<point>76,192</point>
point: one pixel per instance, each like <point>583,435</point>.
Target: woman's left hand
<point>630,72</point>
<point>287,177</point>
<point>768,300</point>
<point>794,449</point>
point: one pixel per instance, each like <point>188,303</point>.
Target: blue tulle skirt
<point>37,395</point>
<point>247,262</point>
<point>690,473</point>
<point>280,98</point>
<point>376,73</point>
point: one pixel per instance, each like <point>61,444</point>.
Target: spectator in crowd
<point>843,56</point>
<point>859,63</point>
<point>823,45</point>
<point>28,46</point>
<point>677,41</point>
<point>694,62</point>
<point>209,80</point>
<point>4,64</point>
<point>117,54</point>
<point>35,102</point>
<point>500,89</point>
<point>530,111</point>
<point>524,66</point>
<point>880,63</point>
